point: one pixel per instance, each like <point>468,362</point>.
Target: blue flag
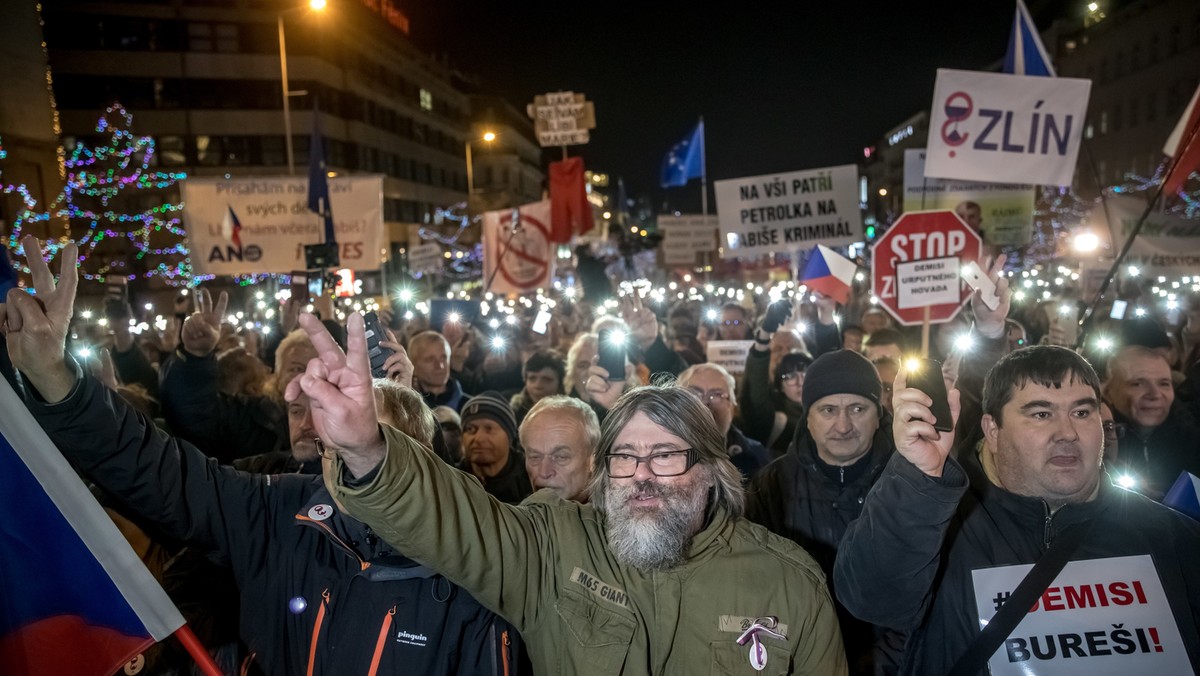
<point>685,160</point>
<point>78,599</point>
<point>318,178</point>
<point>1026,54</point>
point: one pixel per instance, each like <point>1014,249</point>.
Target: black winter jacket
<point>907,562</point>
<point>315,586</point>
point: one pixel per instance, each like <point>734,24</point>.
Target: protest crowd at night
<point>782,435</point>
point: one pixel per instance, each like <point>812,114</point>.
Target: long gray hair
<point>679,412</point>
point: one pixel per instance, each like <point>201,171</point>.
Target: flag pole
<point>194,648</point>
<point>704,195</point>
<point>1085,324</point>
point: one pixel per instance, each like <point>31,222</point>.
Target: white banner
<point>1166,245</point>
<point>1004,128</point>
<point>518,257</point>
<point>730,354</point>
<point>1001,212</point>
<point>933,281</point>
<point>426,258</point>
<point>686,236</point>
<point>1113,613</point>
<point>275,223</point>
<point>779,213</point>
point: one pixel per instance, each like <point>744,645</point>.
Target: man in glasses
<point>658,573</point>
<point>734,323</point>
<point>715,388</point>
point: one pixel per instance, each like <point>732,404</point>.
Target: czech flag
<point>829,273</point>
<point>76,600</point>
<point>231,227</point>
<point>1184,495</point>
<point>1183,148</point>
<point>1026,54</point>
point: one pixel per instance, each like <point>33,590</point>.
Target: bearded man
<point>659,573</point>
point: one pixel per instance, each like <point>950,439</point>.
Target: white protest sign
<point>562,118</point>
<point>1166,245</point>
<point>784,212</point>
<point>1004,128</point>
<point>933,281</point>
<point>1113,612</point>
<point>426,258</point>
<point>686,236</point>
<point>730,354</point>
<point>518,257</point>
<point>276,223</point>
<point>1001,212</point>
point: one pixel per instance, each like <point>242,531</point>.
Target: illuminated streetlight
<point>1086,242</point>
<point>487,137</point>
<point>315,5</point>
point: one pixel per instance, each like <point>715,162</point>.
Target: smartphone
<point>116,298</point>
<point>378,354</point>
<point>1118,309</point>
<point>316,286</point>
<point>442,310</point>
<point>927,377</point>
<point>299,286</point>
<point>612,350</point>
<point>1066,316</point>
<point>975,278</point>
<point>541,322</point>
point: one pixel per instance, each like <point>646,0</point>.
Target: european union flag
<point>685,160</point>
<point>318,178</point>
<point>1026,54</point>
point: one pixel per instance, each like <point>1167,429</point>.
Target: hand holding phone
<point>116,299</point>
<point>978,280</point>
<point>612,349</point>
<point>926,375</point>
<point>299,287</point>
<point>377,353</point>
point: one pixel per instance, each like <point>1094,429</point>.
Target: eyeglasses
<point>1114,429</point>
<point>670,463</point>
<point>793,378</point>
<point>711,396</point>
<point>732,322</point>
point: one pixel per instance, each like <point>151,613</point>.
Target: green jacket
<point>547,568</point>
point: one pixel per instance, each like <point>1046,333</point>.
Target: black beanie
<point>841,372</point>
<point>1144,331</point>
<point>494,406</point>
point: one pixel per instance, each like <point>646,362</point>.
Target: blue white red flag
<point>829,272</point>
<point>1026,54</point>
<point>1184,495</point>
<point>1183,147</point>
<point>77,599</point>
<point>685,160</point>
<point>231,227</point>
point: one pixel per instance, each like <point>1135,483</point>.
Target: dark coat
<point>1156,457</point>
<point>512,484</point>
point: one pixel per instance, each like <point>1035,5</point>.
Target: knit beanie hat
<point>494,406</point>
<point>840,372</point>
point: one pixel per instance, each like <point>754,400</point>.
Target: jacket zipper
<point>1047,535</point>
<point>504,650</point>
<point>312,645</point>
<point>382,641</point>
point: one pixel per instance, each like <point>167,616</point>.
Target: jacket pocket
<point>600,637</point>
<point>731,659</point>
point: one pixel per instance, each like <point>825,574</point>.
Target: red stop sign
<point>933,238</point>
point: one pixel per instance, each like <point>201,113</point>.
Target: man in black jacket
<point>943,540</point>
<point>320,593</point>
<point>813,493</point>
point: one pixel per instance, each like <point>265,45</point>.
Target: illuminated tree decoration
<point>24,214</point>
<point>124,215</point>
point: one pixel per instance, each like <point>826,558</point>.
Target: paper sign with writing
<point>730,354</point>
<point>933,281</point>
<point>1166,245</point>
<point>1102,617</point>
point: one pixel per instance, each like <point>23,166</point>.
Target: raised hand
<point>777,315</point>
<point>398,366</point>
<point>643,324</point>
<point>987,321</point>
<point>599,388</point>
<point>104,370</point>
<point>202,330</point>
<point>338,385</point>
<point>35,328</point>
<point>912,427</point>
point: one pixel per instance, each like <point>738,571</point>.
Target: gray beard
<point>652,541</point>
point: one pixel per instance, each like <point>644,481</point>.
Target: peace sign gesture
<point>35,328</point>
<point>202,329</point>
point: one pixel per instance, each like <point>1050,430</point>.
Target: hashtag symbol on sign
<point>1000,599</point>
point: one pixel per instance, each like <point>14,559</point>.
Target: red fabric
<point>570,211</point>
<point>1189,155</point>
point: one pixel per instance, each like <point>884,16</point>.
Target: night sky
<point>781,88</point>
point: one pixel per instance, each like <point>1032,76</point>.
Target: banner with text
<point>1004,128</point>
<point>259,225</point>
<point>1001,212</point>
<point>780,213</point>
<point>1113,612</point>
<point>518,256</point>
<point>1166,245</point>
<point>686,236</point>
<point>730,354</point>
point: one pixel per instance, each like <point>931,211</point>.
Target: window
<point>207,37</point>
<point>171,152</point>
<point>208,151</point>
<point>426,100</point>
<point>1088,131</point>
<point>273,152</point>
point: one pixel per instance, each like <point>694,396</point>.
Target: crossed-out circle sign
<point>915,264</point>
<point>526,261</point>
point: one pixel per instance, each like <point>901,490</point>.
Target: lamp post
<point>315,5</point>
<point>487,136</point>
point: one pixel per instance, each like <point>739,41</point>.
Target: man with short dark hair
<point>543,373</point>
<point>884,343</point>
<point>657,574</point>
<point>944,540</point>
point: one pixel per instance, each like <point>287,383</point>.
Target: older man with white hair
<point>717,390</point>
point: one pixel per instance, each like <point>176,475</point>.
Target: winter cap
<point>493,406</point>
<point>1144,331</point>
<point>840,372</point>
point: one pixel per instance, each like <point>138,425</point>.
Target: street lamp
<point>317,6</point>
<point>487,137</point>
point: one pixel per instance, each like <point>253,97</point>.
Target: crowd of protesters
<point>494,501</point>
